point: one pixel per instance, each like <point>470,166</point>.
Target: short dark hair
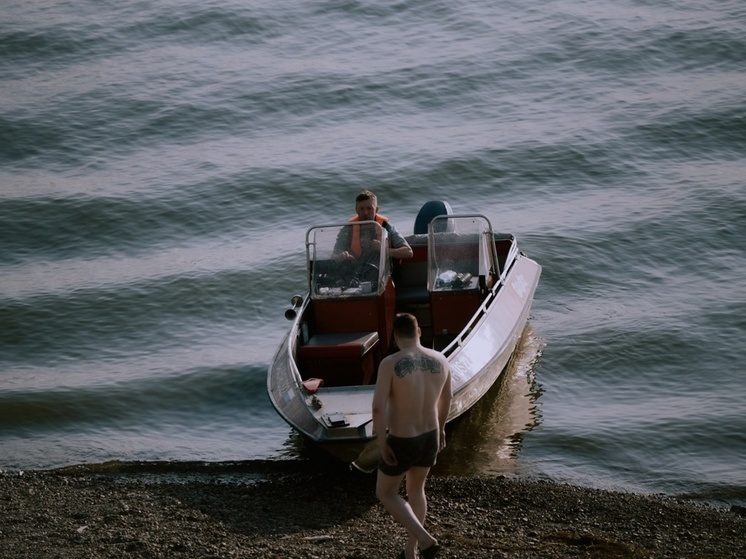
<point>405,325</point>
<point>366,195</point>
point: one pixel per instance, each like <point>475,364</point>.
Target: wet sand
<point>273,511</point>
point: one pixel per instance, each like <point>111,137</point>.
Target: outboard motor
<point>428,212</point>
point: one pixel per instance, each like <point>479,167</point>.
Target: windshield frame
<point>331,276</point>
<point>461,252</point>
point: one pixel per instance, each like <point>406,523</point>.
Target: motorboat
<point>470,288</point>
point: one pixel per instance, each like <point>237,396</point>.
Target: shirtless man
<point>410,407</point>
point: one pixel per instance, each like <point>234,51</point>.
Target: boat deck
<point>345,410</point>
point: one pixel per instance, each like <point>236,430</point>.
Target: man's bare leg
<point>387,491</point>
<point>415,484</point>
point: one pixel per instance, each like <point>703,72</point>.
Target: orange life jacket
<point>356,247</point>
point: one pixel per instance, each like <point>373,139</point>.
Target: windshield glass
<point>346,260</point>
<point>460,252</point>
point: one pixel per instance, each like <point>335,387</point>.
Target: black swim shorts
<point>420,451</point>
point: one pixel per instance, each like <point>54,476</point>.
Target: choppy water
<point>160,162</point>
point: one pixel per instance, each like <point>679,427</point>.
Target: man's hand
<point>442,440</point>
<point>342,256</point>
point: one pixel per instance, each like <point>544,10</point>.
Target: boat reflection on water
<point>488,439</point>
<point>484,441</point>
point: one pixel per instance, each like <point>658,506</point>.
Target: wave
<point>142,403</point>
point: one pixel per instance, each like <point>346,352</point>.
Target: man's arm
<point>380,404</point>
<point>401,252</point>
<point>342,245</point>
<point>399,246</point>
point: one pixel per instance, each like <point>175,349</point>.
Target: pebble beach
<point>272,512</point>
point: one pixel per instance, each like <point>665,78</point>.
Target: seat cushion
<point>340,345</point>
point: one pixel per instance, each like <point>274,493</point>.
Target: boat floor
<point>344,408</point>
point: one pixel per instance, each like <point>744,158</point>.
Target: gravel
<point>272,511</point>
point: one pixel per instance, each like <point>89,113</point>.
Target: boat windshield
<point>461,251</point>
<point>347,261</point>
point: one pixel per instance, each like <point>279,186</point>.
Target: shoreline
<point>269,510</point>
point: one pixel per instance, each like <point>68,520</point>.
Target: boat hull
<point>482,356</point>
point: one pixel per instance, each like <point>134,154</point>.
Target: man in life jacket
<point>359,242</point>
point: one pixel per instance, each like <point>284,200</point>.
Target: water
<point>160,163</point>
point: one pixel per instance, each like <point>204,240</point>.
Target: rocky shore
<point>272,511</point>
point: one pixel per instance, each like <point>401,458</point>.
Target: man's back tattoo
<point>407,365</point>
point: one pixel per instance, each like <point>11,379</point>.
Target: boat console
<point>350,313</point>
<point>453,268</point>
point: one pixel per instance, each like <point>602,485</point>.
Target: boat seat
<point>410,275</point>
<point>412,295</point>
<point>341,358</point>
<point>411,284</point>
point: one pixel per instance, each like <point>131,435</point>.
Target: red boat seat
<point>341,359</point>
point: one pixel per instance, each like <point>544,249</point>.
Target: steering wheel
<point>351,273</point>
<point>367,271</point>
